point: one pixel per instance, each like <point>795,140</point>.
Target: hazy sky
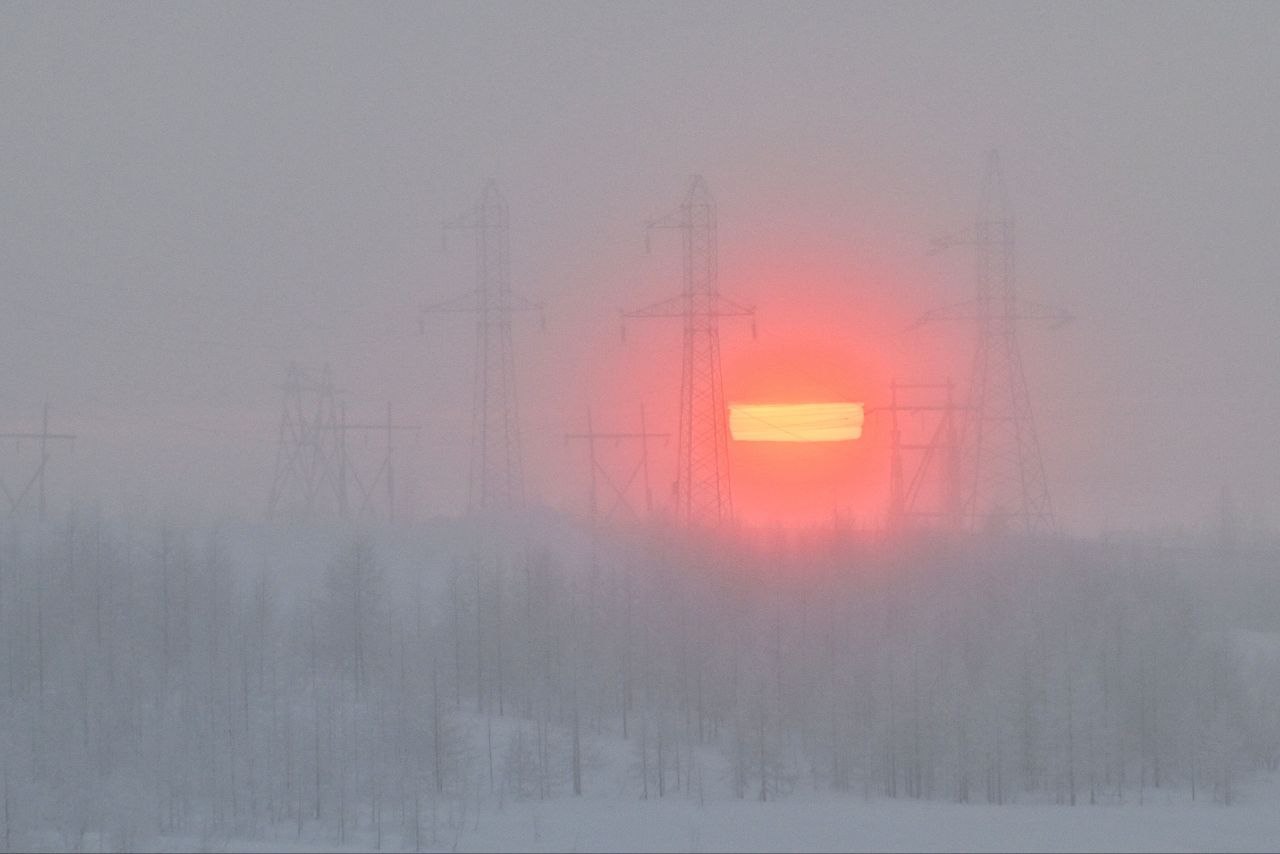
<point>194,194</point>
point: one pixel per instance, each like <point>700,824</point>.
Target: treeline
<point>150,686</point>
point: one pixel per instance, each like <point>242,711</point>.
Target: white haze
<point>195,195</point>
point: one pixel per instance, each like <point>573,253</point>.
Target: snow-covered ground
<point>825,823</point>
<point>612,818</point>
<point>832,824</point>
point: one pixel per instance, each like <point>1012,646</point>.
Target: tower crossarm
<point>678,306</point>
<point>724,307</point>
<point>675,306</point>
<point>970,310</point>
<point>616,437</point>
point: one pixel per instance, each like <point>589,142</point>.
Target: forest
<point>240,681</point>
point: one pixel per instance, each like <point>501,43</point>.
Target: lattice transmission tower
<point>17,499</point>
<point>314,469</point>
<point>702,487</point>
<point>620,489</point>
<point>375,492</point>
<point>1002,472</point>
<point>921,461</point>
<point>310,470</point>
<point>496,478</point>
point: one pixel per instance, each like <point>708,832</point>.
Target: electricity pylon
<point>702,487</point>
<point>17,501</point>
<point>496,479</point>
<point>1002,470</point>
<point>310,451</point>
<point>936,460</point>
<point>382,479</point>
<point>620,491</point>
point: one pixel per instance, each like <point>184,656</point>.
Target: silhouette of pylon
<point>1003,481</point>
<point>703,490</point>
<point>496,479</point>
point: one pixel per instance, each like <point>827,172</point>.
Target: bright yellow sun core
<point>795,422</point>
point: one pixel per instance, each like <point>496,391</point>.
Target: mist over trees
<point>156,683</point>
<point>880,399</point>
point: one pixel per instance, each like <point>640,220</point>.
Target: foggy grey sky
<point>193,195</point>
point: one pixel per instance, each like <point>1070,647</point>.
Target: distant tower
<point>310,470</point>
<point>937,460</point>
<point>496,479</point>
<point>702,487</point>
<point>18,500</point>
<point>368,501</point>
<point>620,489</point>
<point>1001,469</point>
<point>1005,470</point>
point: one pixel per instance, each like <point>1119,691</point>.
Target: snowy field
<point>613,818</point>
<point>829,824</point>
<point>826,823</point>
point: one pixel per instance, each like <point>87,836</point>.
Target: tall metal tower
<point>496,480</point>
<point>620,490</point>
<point>936,460</point>
<point>17,501</point>
<point>1002,472</point>
<point>702,486</point>
<point>374,480</point>
<point>310,470</point>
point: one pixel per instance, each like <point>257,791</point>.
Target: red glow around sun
<point>799,483</point>
<point>829,323</point>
